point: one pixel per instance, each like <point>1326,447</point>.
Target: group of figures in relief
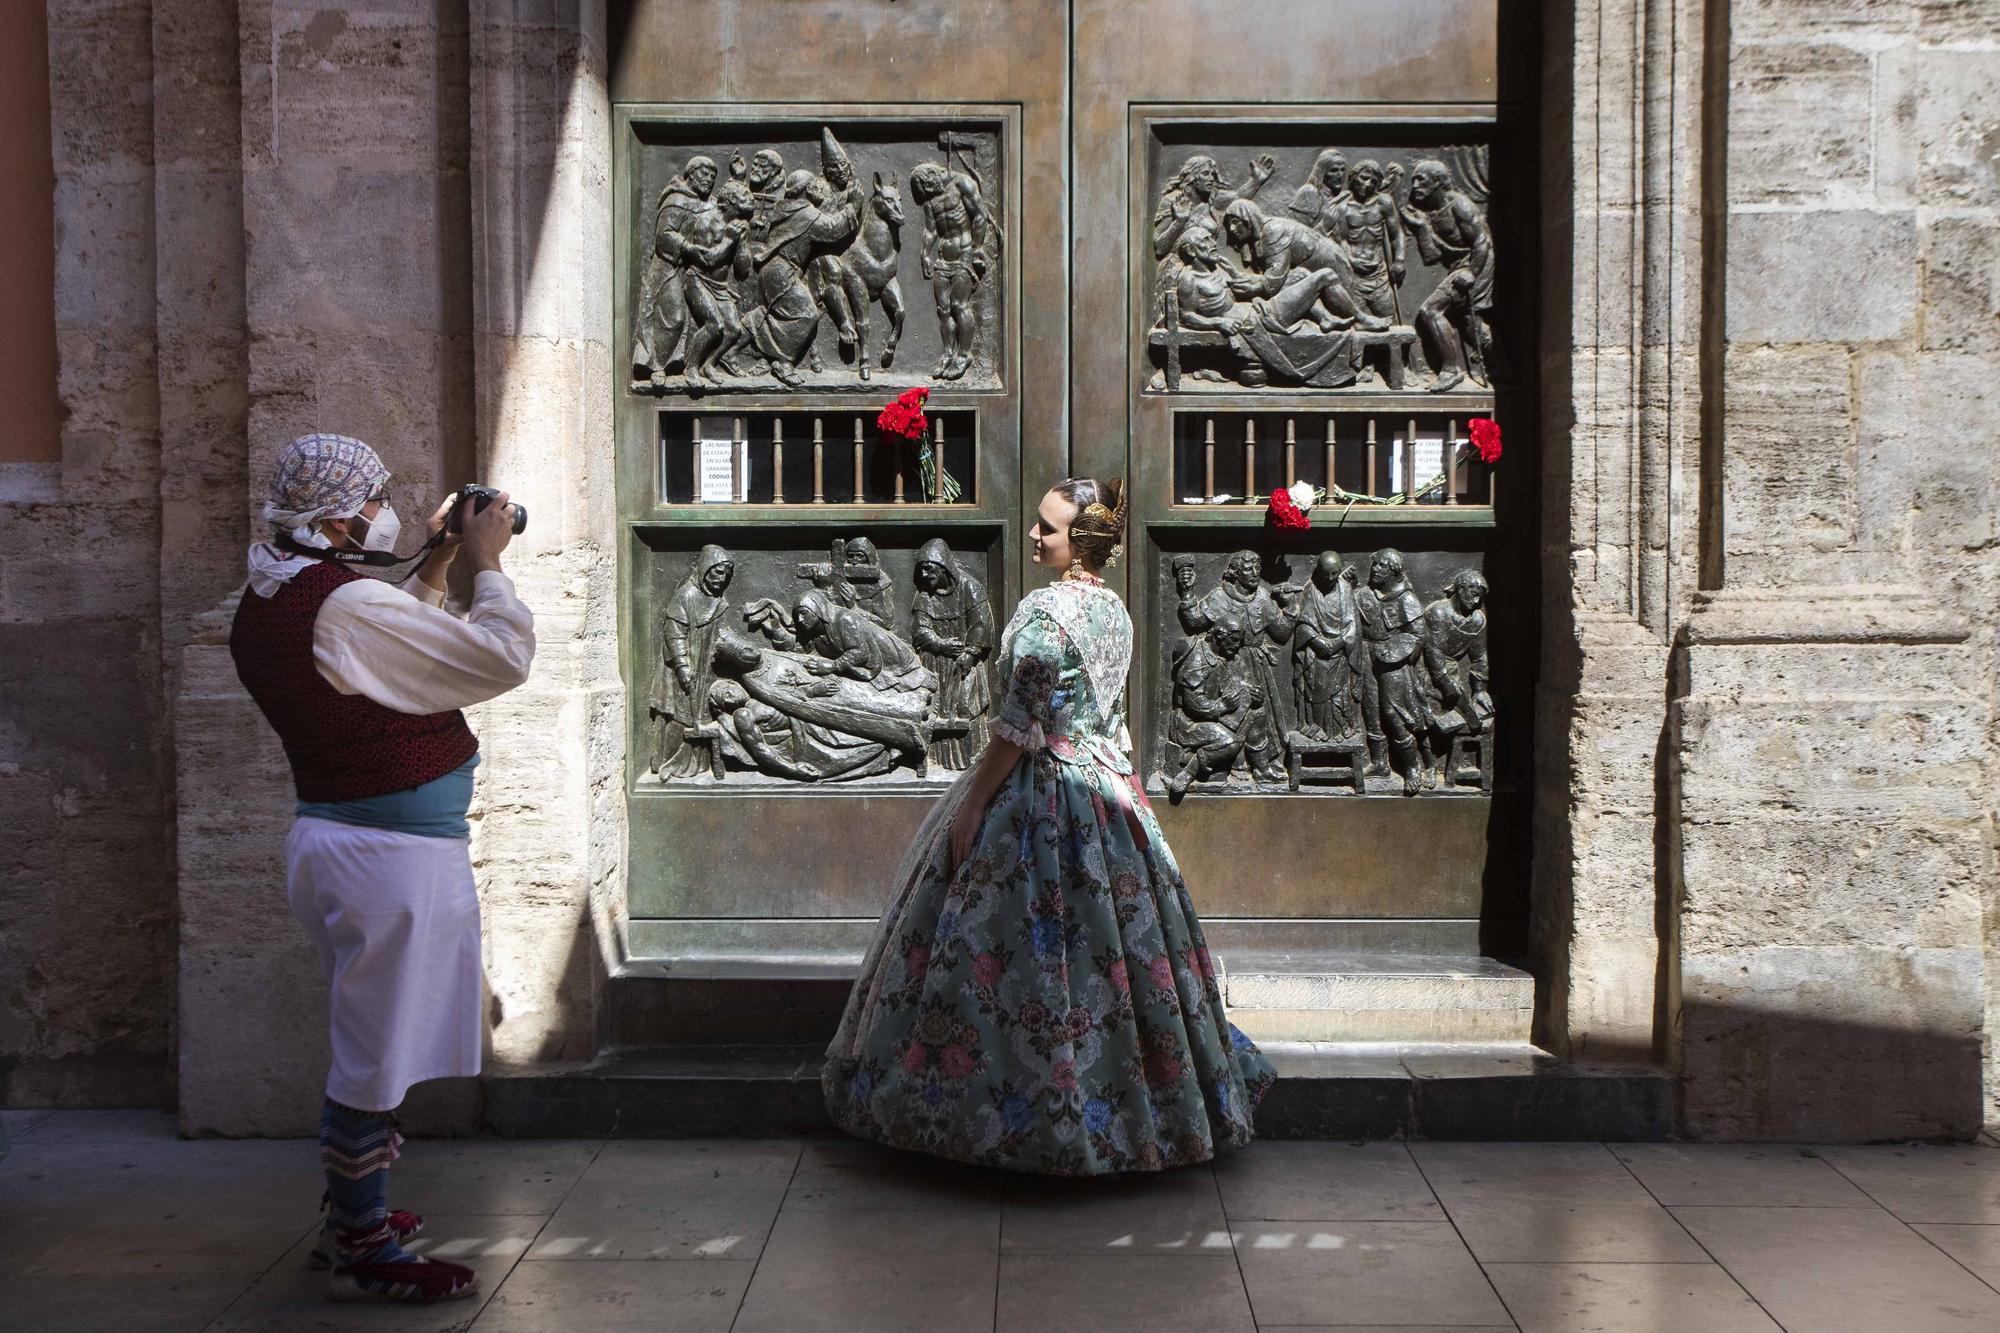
<point>1379,681</point>
<point>738,275</point>
<point>1312,294</point>
<point>825,689</point>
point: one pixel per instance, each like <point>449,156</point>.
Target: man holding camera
<point>363,681</point>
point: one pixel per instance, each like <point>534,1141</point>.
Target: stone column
<point>357,307</point>
<point>1623,253</point>
<point>85,768</point>
<point>1836,735</point>
<point>551,840</point>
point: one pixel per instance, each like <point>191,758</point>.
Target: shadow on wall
<point>1752,1073</point>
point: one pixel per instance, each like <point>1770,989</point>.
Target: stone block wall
<point>86,879</point>
<point>1836,741</point>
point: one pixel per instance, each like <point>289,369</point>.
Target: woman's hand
<point>965,832</point>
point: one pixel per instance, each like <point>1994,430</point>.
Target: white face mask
<point>380,532</point>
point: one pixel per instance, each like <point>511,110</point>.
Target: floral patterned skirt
<point>1052,1007</point>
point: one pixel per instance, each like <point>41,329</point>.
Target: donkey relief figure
<point>867,273</point>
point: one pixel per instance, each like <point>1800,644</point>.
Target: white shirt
<point>404,651</point>
<point>399,647</point>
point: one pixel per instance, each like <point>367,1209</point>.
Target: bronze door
<point>1217,249</point>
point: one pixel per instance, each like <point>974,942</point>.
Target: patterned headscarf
<point>322,476</point>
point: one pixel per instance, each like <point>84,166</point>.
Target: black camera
<point>480,497</point>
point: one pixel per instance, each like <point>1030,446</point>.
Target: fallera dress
<point>1051,1006</point>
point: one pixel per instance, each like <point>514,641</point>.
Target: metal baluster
<point>1208,451</point>
<point>1291,453</point>
<point>739,460</point>
<point>1330,456</point>
<point>936,495</point>
<point>1451,461</point>
<point>777,460</point>
<point>1371,452</point>
<point>819,460</point>
<point>1410,477</point>
<point>1249,456</point>
<point>860,437</point>
<point>694,449</point>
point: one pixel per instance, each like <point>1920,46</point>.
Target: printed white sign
<point>722,472</point>
<point>1429,464</point>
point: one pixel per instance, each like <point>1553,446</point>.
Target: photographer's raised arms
<point>363,681</point>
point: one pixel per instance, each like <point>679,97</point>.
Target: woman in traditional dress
<point>1039,995</point>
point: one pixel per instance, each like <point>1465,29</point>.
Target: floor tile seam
<point>757,1264</point>
<point>1602,1263</point>
<point>1688,1231</point>
<point>489,1293</point>
<point>266,1272</point>
<point>1976,1277</point>
<point>1235,1251</point>
<point>1485,1276</point>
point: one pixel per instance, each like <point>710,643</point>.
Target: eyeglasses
<point>381,497</point>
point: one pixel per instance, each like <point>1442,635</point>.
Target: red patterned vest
<point>343,747</point>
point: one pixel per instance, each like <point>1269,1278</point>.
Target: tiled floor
<point>109,1222</point>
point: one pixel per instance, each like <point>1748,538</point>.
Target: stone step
<point>1283,996</point>
<point>1325,1090</point>
<point>1272,994</point>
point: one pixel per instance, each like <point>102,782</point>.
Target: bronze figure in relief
<point>1274,336</point>
<point>1221,713</point>
<point>1195,199</point>
<point>952,630</point>
<point>853,576</point>
<point>716,256</point>
<point>961,238</point>
<point>1451,231</point>
<point>1456,671</point>
<point>688,635</point>
<point>1327,654</point>
<point>866,273</point>
<point>1392,624</point>
<point>661,315</point>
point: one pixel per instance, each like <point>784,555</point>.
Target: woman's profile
<point>1039,995</point>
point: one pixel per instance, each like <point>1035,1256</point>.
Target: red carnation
<point>1486,438</point>
<point>1285,513</point>
<point>905,417</point>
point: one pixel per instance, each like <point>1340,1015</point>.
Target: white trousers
<point>395,918</point>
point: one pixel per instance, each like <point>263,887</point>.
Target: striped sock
<point>355,1149</point>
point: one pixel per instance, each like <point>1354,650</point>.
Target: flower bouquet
<point>904,419</point>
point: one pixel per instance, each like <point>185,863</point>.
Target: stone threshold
<point>1326,1090</point>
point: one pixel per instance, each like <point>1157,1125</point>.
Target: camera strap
<point>291,545</point>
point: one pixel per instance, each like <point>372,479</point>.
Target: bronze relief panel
<point>797,255</point>
<point>849,663</point>
<point>1331,671</point>
<point>1338,256</point>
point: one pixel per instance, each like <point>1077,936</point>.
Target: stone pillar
<point>551,843</point>
<point>1623,253</point>
<point>85,776</point>
<point>357,308</point>
<point>1835,736</point>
